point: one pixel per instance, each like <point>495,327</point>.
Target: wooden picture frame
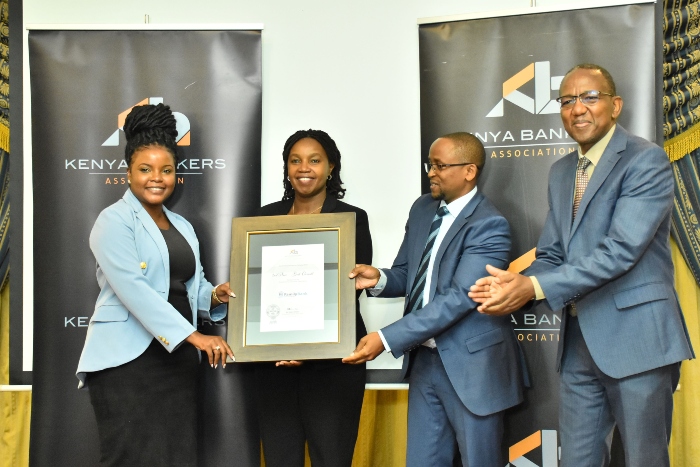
<point>288,328</point>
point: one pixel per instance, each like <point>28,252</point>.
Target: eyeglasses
<point>441,167</point>
<point>587,98</point>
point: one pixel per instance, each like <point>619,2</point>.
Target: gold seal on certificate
<point>297,301</point>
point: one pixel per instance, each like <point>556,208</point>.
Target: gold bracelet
<point>216,297</point>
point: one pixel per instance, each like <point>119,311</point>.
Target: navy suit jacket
<point>614,261</point>
<point>480,353</point>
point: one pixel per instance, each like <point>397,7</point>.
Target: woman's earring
<point>288,178</point>
<point>129,181</point>
<point>330,176</point>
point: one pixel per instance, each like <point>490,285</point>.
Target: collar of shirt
<point>596,152</point>
<point>456,206</point>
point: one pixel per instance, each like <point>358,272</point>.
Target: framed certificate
<point>294,298</point>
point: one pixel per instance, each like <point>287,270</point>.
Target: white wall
<point>347,67</point>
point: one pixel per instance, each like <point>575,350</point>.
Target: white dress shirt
<point>453,208</point>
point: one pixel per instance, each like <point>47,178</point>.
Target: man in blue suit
<point>464,368</point>
<point>604,259</point>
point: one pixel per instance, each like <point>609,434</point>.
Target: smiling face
<point>152,175</point>
<point>588,124</point>
<point>452,182</point>
<point>308,168</point>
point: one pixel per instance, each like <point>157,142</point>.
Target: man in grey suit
<point>604,259</point>
<point>464,368</point>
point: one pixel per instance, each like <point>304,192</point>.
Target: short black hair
<point>334,186</point>
<point>592,66</point>
<point>468,148</point>
<point>150,125</point>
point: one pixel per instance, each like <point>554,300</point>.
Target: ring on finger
<point>217,348</point>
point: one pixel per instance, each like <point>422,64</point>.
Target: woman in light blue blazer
<point>141,352</point>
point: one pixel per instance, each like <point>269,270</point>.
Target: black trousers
<point>319,403</point>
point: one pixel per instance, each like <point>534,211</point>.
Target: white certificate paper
<point>291,297</point>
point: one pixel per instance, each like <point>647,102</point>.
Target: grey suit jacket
<point>480,353</point>
<point>614,261</point>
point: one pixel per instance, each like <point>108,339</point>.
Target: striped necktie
<point>415,301</point>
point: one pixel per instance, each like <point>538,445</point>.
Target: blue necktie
<point>415,301</point>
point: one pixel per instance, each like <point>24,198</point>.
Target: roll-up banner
<point>83,83</point>
<point>497,78</point>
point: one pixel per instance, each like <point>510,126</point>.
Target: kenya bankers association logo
<point>544,439</point>
<point>544,83</point>
<point>183,124</point>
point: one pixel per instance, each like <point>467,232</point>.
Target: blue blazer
<point>133,272</point>
<point>480,353</point>
<point>614,261</point>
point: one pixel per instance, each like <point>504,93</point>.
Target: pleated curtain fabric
<point>15,405</point>
<point>681,99</point>
<point>681,72</point>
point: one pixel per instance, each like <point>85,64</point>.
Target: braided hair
<point>334,186</point>
<point>150,125</point>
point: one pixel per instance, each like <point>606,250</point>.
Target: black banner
<point>497,78</point>
<point>83,83</point>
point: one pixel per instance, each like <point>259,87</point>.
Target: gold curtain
<point>681,50</point>
<point>16,405</point>
<point>383,428</point>
<point>684,447</point>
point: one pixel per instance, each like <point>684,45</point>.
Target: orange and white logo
<point>183,124</point>
<point>546,439</point>
<point>544,85</point>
